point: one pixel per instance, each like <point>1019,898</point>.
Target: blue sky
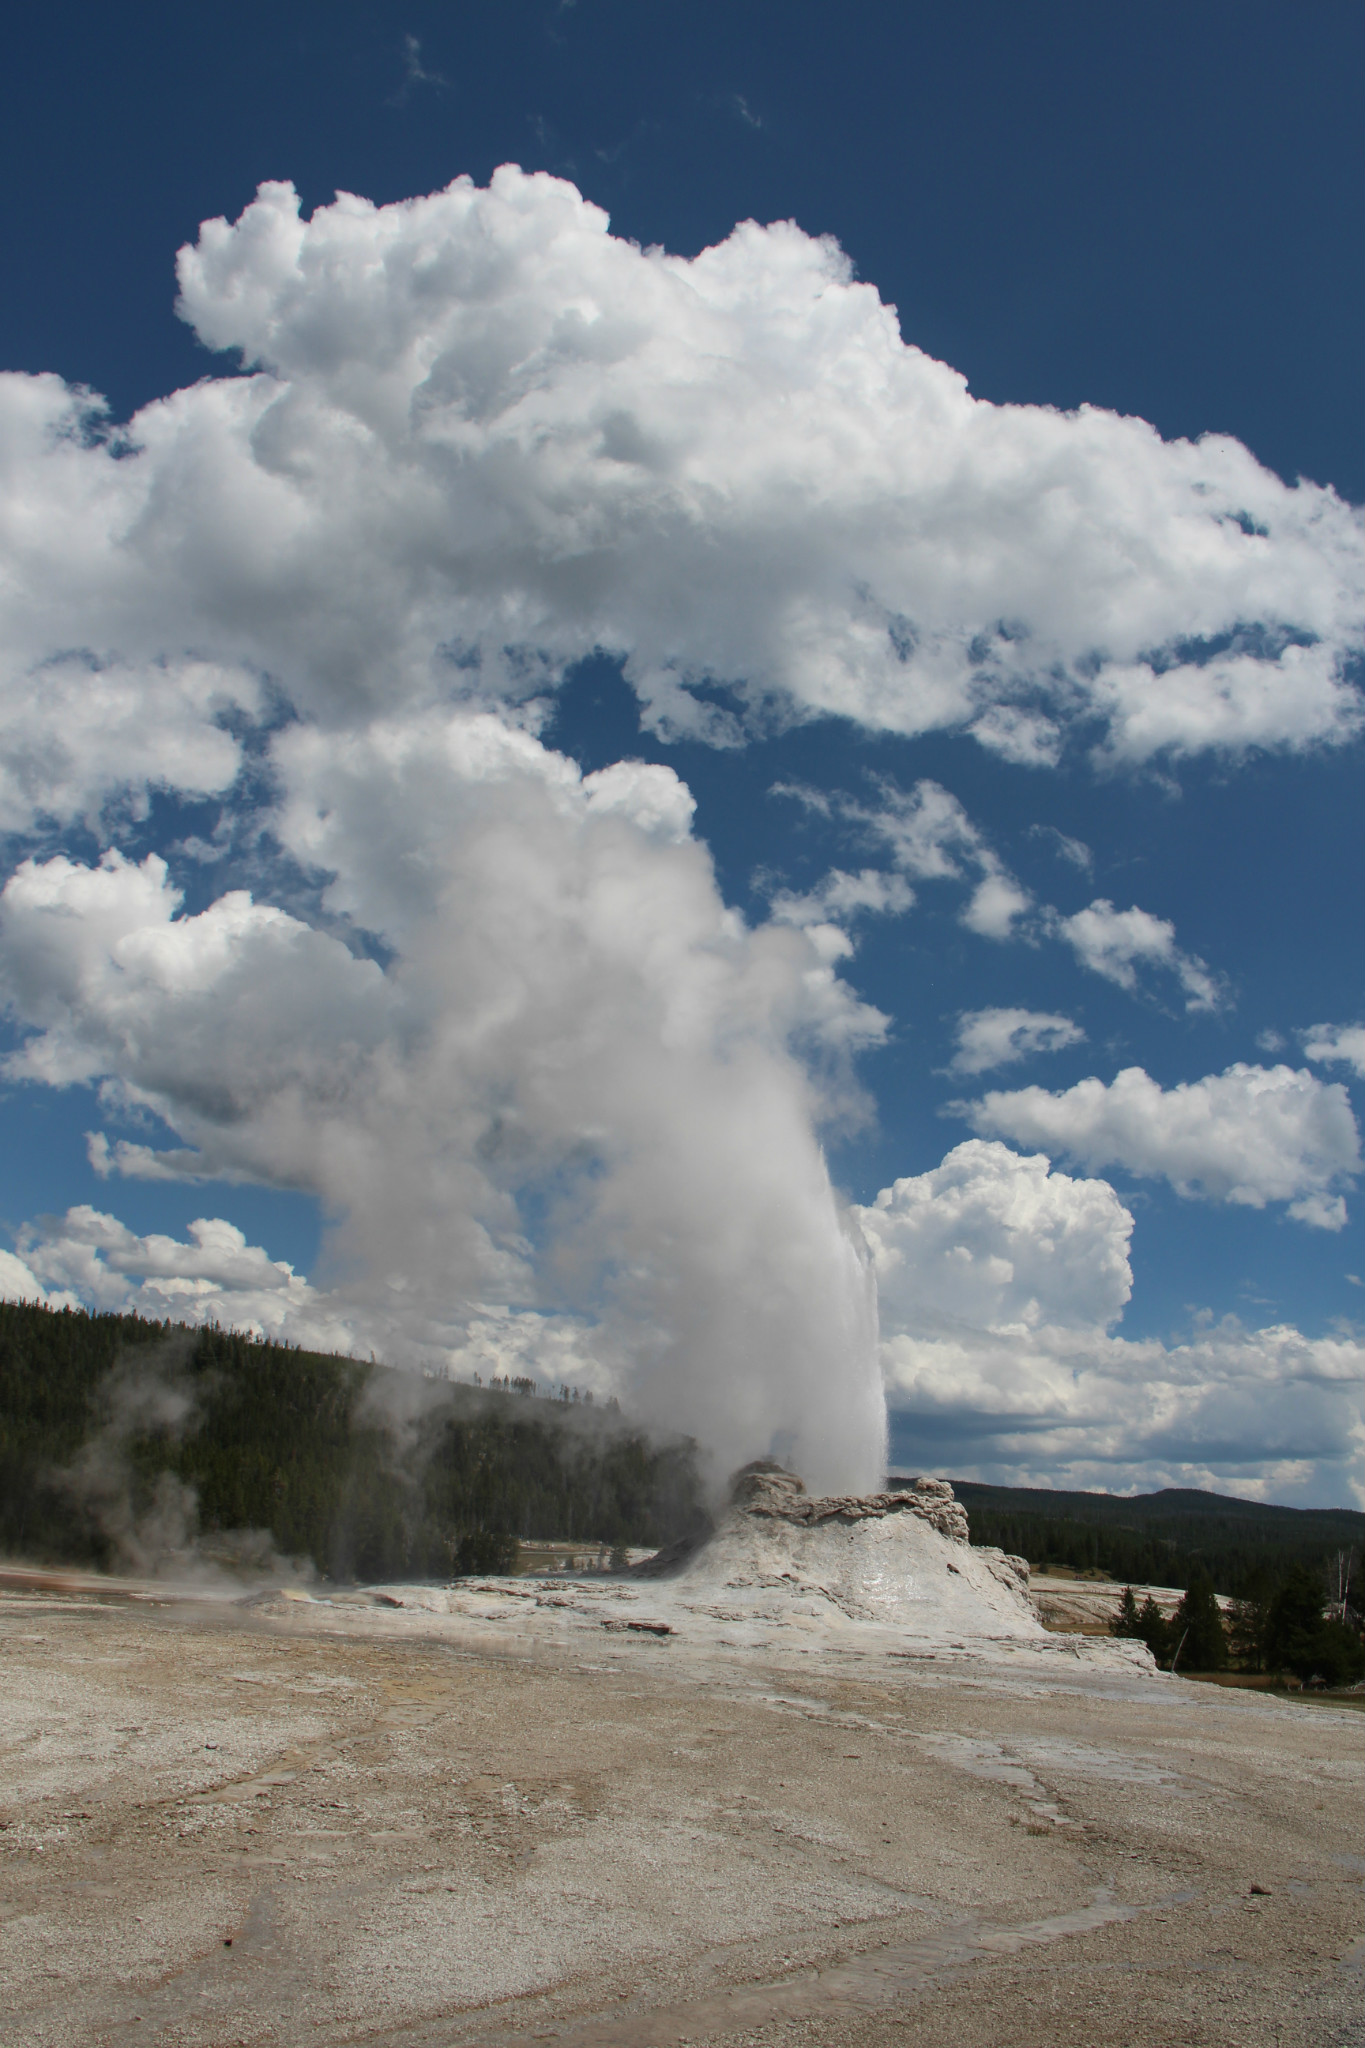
<point>1023,745</point>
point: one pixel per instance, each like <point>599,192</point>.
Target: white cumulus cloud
<point>88,1258</point>
<point>925,829</point>
<point>928,835</point>
<point>840,897</point>
<point>996,1038</point>
<point>1116,943</point>
<point>99,961</point>
<point>18,1282</point>
<point>1269,1414</point>
<point>478,437</point>
<point>1339,1044</point>
<point>1250,1135</point>
<point>212,1276</point>
<point>1000,1283</point>
<point>524,1053</point>
<point>998,1241</point>
<point>997,903</point>
<point>82,732</point>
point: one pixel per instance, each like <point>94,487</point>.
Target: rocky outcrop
<point>900,1557</point>
<point>1007,1569</point>
<point>764,1488</point>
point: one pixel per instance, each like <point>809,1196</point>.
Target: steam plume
<point>495,1013</point>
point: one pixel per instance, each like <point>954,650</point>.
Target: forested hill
<point>1161,1538</point>
<point>122,1441</point>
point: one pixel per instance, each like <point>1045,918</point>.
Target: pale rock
<point>900,1557</point>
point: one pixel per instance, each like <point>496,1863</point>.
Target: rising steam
<point>559,1099</point>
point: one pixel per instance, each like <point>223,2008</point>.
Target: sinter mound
<point>901,1557</point>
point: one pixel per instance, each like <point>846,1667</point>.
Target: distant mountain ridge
<point>1144,1507</point>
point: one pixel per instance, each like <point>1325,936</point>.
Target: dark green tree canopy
<point>300,1447</point>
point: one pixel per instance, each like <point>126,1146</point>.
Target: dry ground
<point>228,1824</point>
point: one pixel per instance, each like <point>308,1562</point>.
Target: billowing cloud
<point>998,1241</point>
<point>480,437</point>
<point>1250,1135</point>
<point>1339,1044</point>
<point>201,1019</point>
<point>1116,943</point>
<point>839,898</point>
<point>88,1258</point>
<point>502,1023</point>
<point>1000,1283</point>
<point>996,1038</point>
<point>1269,1414</point>
<point>997,904</point>
<point>212,1276</point>
<point>82,731</point>
<point>579,1085</point>
<point>19,1282</point>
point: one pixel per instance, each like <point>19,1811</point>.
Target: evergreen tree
<point>1338,1654</point>
<point>484,1553</point>
<point>1154,1629</point>
<point>292,1445</point>
<point>1197,1631</point>
<point>1127,1621</point>
<point>1292,1622</point>
<point>1299,1640</point>
<point>1250,1620</point>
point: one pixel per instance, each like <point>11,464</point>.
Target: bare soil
<point>289,1822</point>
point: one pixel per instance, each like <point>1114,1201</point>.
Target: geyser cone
<point>901,1558</point>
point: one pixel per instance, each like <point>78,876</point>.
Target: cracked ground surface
<point>288,1822</point>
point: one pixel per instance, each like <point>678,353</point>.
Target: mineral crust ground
<point>611,1812</point>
